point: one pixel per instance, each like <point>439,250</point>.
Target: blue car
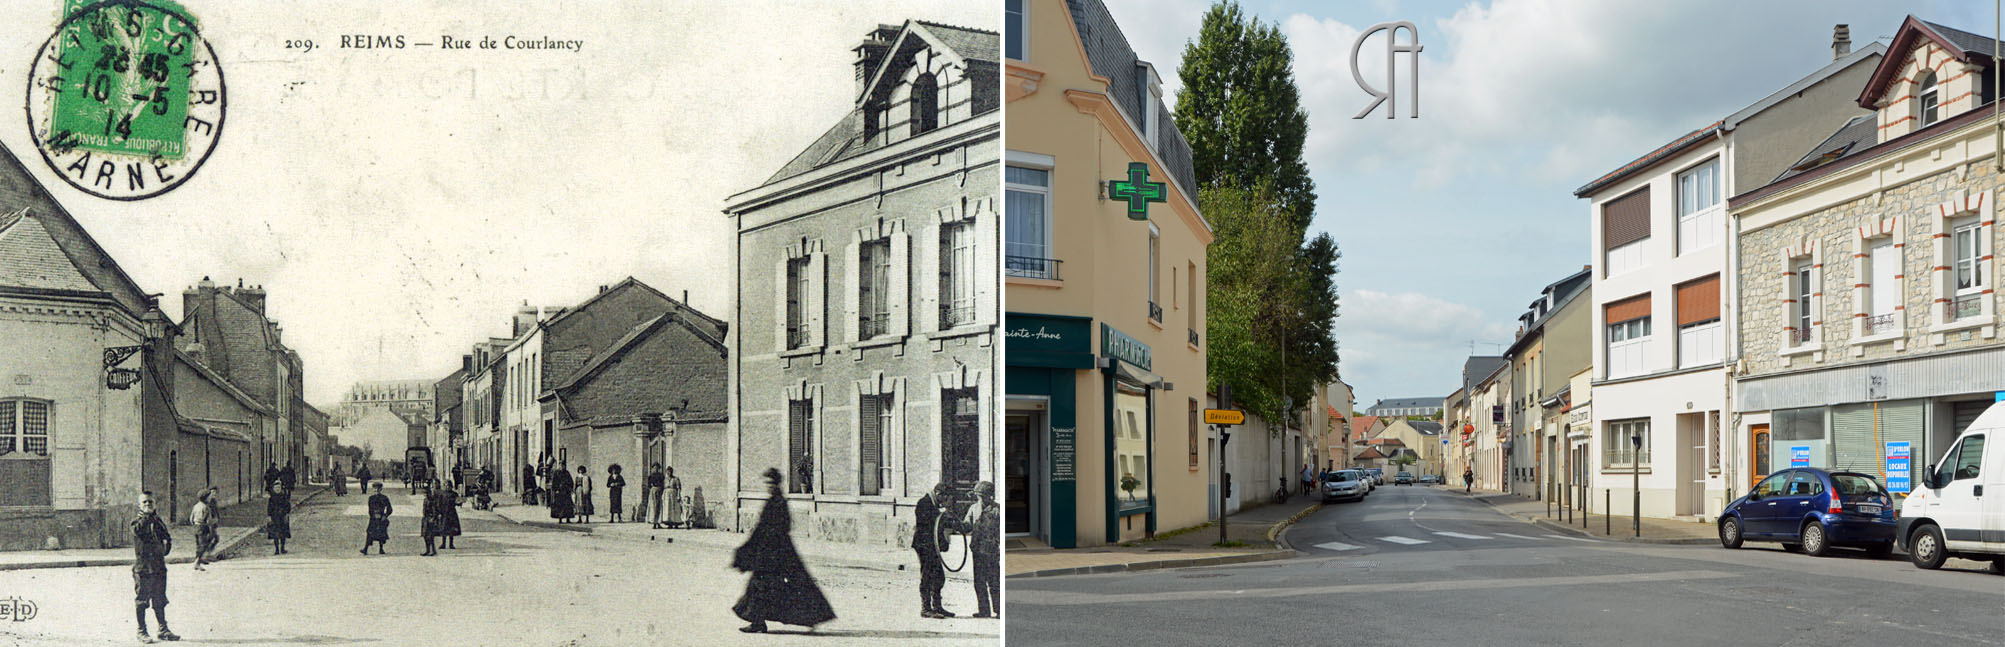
<point>1812,510</point>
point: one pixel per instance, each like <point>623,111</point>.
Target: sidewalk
<point>1619,528</point>
<point>240,523</point>
<point>1257,527</point>
<point>813,551</point>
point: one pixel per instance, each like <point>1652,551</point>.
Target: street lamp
<point>1636,482</point>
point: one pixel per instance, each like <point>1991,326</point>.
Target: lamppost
<point>1636,482</point>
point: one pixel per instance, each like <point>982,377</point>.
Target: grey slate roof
<point>1966,41</point>
<point>1108,52</point>
<point>1856,135</point>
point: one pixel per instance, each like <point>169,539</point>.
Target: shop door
<point>1758,454</point>
<point>1023,496</point>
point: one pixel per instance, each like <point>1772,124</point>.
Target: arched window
<point>925,103</point>
<point>1928,100</point>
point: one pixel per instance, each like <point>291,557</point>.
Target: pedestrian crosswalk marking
<point>1403,540</point>
<point>1506,534</point>
<point>1573,538</point>
<point>1337,545</point>
<point>1458,535</point>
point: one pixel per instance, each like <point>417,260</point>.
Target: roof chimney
<point>1841,41</point>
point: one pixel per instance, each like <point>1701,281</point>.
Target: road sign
<point>1224,417</point>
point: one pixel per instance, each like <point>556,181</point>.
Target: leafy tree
<point>1241,110</point>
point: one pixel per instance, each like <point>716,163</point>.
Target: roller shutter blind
<point>1636,307</point>
<point>1852,439</point>
<point>1699,300</point>
<point>1626,219</point>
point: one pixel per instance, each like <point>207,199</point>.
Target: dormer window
<point>1928,101</point>
<point>925,103</point>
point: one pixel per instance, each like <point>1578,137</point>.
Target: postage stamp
<point>126,99</point>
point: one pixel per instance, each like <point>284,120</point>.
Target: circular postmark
<point>125,100</point>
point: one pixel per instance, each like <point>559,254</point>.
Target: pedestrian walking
<point>1468,479</point>
<point>614,485</point>
<point>204,518</point>
<point>1308,478</point>
<point>985,550</point>
<point>288,477</point>
<point>150,545</point>
<point>379,521</point>
<point>656,482</point>
<point>562,488</point>
<point>271,476</point>
<point>781,590</point>
<point>432,524</point>
<point>584,495</point>
<point>927,544</point>
<point>528,484</point>
<point>278,517</point>
<point>362,479</point>
<point>338,480</point>
<point>450,508</point>
<point>673,490</point>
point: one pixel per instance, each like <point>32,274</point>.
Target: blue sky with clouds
<point>1451,223</point>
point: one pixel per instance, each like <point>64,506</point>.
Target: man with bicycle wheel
<point>932,570</point>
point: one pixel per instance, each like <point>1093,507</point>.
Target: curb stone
<point>1275,533</point>
<point>223,547</point>
<point>1550,525</point>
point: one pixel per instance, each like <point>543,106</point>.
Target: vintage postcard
<point>446,323</point>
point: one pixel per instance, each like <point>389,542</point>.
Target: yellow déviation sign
<point>1224,417</point>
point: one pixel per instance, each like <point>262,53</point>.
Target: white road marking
<point>1506,534</point>
<point>1403,540</point>
<point>1458,535</point>
<point>1337,545</point>
<point>1591,541</point>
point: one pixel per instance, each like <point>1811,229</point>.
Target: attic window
<point>1929,100</point>
<point>925,103</point>
<point>1819,160</point>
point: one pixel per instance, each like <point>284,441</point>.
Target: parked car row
<point>1813,510</point>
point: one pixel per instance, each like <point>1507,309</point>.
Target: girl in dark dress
<point>614,484</point>
<point>278,528</point>
<point>432,522</point>
<point>780,589</point>
<point>379,520</point>
<point>450,511</point>
<point>560,495</point>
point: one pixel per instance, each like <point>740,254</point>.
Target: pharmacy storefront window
<point>1131,443</point>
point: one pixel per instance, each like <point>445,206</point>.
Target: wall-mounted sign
<point>1137,191</point>
<point>1118,345</point>
<point>1799,456</point>
<point>1899,466</point>
<point>1064,454</point>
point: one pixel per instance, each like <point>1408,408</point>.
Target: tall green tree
<point>1241,110</point>
<point>1272,291</point>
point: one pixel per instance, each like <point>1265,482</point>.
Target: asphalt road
<point>506,585</point>
<point>1418,565</point>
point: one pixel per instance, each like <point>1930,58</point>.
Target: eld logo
<point>1391,80</point>
<point>17,609</point>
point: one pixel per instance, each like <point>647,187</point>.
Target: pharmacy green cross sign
<point>1137,191</point>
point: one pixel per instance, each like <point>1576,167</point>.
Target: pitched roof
<point>1869,51</point>
<point>1385,441</point>
<point>1679,145</point>
<point>1856,135</point>
<point>19,188</point>
<point>31,258</point>
<point>1408,402</point>
<point>1426,428</point>
<point>1362,424</point>
<point>634,335</point>
<point>1370,453</point>
<point>1962,45</point>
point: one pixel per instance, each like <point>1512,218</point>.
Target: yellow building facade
<point>1104,264</point>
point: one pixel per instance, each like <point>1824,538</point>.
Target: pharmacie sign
<point>1118,345</point>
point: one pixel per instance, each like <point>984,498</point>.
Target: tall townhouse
<point>1660,236</point>
<point>1869,322</point>
<point>864,335</point>
<point>490,445</point>
<point>228,329</point>
<point>1491,405</point>
<point>1455,432</point>
<point>1105,260</point>
<point>1553,344</point>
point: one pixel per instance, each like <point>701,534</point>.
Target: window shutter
<point>1632,308</point>
<point>781,311</point>
<point>852,280</point>
<point>1626,219</point>
<point>1886,289</point>
<point>870,451</point>
<point>817,299</point>
<point>1699,300</point>
<point>900,284</point>
<point>927,301</point>
<point>986,229</point>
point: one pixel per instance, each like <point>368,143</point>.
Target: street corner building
<point>1868,314</point>
<point>1104,263</point>
<point>863,363</point>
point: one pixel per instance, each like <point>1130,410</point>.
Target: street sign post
<point>1224,417</point>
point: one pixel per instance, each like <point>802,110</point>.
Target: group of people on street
<point>571,498</point>
<point>782,591</point>
<point>440,523</point>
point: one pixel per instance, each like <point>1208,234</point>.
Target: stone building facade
<point>1867,310</point>
<point>864,341</point>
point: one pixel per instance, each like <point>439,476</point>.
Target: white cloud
<point>1410,338</point>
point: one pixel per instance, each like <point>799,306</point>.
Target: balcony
<point>1968,305</point>
<point>951,316</point>
<point>1193,335</point>
<point>1155,311</point>
<point>1031,267</point>
<point>1879,324</point>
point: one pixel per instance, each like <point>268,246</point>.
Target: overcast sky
<point>398,203</point>
<point>1450,224</point>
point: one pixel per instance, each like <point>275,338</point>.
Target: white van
<point>1958,507</point>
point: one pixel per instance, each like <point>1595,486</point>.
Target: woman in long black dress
<point>614,484</point>
<point>278,508</point>
<point>449,512</point>
<point>780,589</point>
<point>379,520</point>
<point>560,495</point>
